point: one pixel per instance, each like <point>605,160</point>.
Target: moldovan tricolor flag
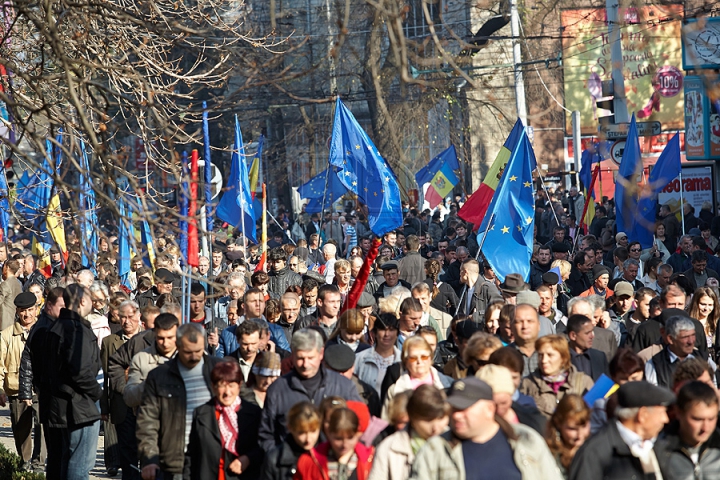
<point>441,185</point>
<point>476,206</point>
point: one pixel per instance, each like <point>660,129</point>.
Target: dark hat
<point>560,247</point>
<point>643,394</point>
<point>366,300</point>
<point>465,392</point>
<point>54,249</point>
<point>599,270</point>
<point>466,328</point>
<point>339,357</point>
<point>231,256</point>
<point>386,321</point>
<point>164,275</point>
<point>513,283</point>
<point>551,278</point>
<point>219,247</point>
<point>391,265</point>
<point>25,300</point>
<point>668,313</point>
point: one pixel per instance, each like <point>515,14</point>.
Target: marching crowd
<point>440,371</point>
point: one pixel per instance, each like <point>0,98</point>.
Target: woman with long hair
<point>492,316</point>
<point>567,430</point>
<point>442,295</point>
<point>704,307</point>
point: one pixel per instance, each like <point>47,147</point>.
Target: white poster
<point>697,185</point>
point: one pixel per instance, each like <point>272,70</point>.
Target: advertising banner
<point>697,186</point>
<point>652,52</point>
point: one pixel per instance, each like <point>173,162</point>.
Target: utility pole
<point>517,60</point>
<point>577,143</point>
<point>616,57</point>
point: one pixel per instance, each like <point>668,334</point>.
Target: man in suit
<point>10,288</point>
<point>699,273</point>
<point>585,358</point>
<point>604,339</point>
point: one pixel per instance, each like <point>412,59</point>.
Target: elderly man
<point>118,417</point>
<point>234,290</point>
<point>23,414</point>
<point>677,259</point>
<point>479,293</point>
<point>678,335</point>
<point>412,265</point>
<point>307,381</point>
<point>479,440</point>
<point>328,269</point>
<point>623,449</point>
<point>164,420</point>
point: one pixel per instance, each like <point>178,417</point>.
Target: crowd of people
<point>439,371</point>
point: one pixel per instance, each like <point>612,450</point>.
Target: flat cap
<point>643,394</point>
<point>465,392</point>
<point>620,236</point>
<point>25,300</point>
<point>164,275</point>
<point>391,265</point>
<point>667,313</point>
<point>466,328</point>
<point>366,300</point>
<point>551,278</point>
<point>339,357</point>
<point>528,297</point>
<point>560,247</point>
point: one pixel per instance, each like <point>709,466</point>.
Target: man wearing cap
<point>512,285</point>
<point>481,444</point>
<point>623,449</point>
<point>579,281</point>
<point>10,288</point>
<point>601,277</point>
<point>164,279</point>
<point>560,251</point>
<point>341,359</point>
<point>678,335</point>
<point>392,280</point>
<point>23,414</point>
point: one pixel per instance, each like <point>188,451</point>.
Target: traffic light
<point>8,165</point>
<point>606,104</point>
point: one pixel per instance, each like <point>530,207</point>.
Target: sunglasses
<point>635,250</point>
<point>415,358</point>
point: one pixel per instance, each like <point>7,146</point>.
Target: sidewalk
<point>6,439</point>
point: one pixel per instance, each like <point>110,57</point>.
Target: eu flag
<point>236,207</point>
<point>322,185</point>
<point>508,244</point>
<point>364,172</point>
<point>88,213</point>
<point>125,238</point>
<point>4,205</point>
<point>626,183</point>
<point>666,169</point>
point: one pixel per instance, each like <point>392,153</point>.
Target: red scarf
<point>228,424</point>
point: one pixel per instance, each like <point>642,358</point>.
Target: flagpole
<point>682,202</point>
<point>544,187</point>
<point>276,223</point>
<point>264,227</point>
<point>477,255</point>
<point>240,196</point>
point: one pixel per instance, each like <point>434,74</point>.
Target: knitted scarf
<point>228,424</point>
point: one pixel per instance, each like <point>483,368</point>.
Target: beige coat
<point>547,400</point>
<point>393,458</point>
<point>9,289</point>
<point>12,344</point>
<point>142,364</point>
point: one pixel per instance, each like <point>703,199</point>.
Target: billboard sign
<point>697,184</point>
<point>652,58</point>
<point>701,43</point>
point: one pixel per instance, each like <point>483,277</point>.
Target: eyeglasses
<point>415,358</point>
<point>635,250</point>
<point>293,265</point>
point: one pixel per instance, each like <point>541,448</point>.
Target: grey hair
<point>463,250</point>
<point>421,287</point>
<point>173,308</point>
<point>675,325</point>
<point>576,300</point>
<point>631,261</point>
<point>329,249</point>
<point>129,303</point>
<point>596,301</point>
<point>235,276</point>
<point>306,340</point>
<point>665,267</point>
<point>626,413</point>
<point>85,273</point>
<point>191,331</point>
<point>98,286</point>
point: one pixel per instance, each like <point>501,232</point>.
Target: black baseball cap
<point>465,392</point>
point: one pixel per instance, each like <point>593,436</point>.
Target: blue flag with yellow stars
<point>321,186</point>
<point>508,244</point>
<point>364,172</point>
<point>626,182</point>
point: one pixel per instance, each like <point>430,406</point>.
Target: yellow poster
<point>652,58</point>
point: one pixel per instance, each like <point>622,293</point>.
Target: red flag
<point>193,244</point>
<point>359,286</point>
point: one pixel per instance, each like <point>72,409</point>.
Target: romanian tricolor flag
<point>255,167</point>
<point>440,174</point>
<point>477,204</point>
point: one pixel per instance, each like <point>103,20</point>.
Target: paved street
<point>6,439</point>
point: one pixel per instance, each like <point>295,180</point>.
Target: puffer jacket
<point>676,462</point>
<point>142,364</point>
<point>281,280</point>
<point>442,457</point>
<point>12,344</point>
<point>161,416</point>
<point>546,400</point>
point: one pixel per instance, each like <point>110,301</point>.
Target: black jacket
<point>578,282</point>
<point>648,333</point>
<point>281,462</point>
<point>446,300</point>
<point>26,378</point>
<point>281,280</point>
<point>202,457</point>
<point>675,461</point>
<point>536,273</point>
<point>598,364</point>
<point>72,362</point>
<point>664,369</point>
<point>606,456</point>
<point>160,427</point>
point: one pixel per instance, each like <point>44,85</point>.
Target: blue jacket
<point>228,341</point>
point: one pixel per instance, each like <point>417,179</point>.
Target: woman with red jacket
<point>340,458</point>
